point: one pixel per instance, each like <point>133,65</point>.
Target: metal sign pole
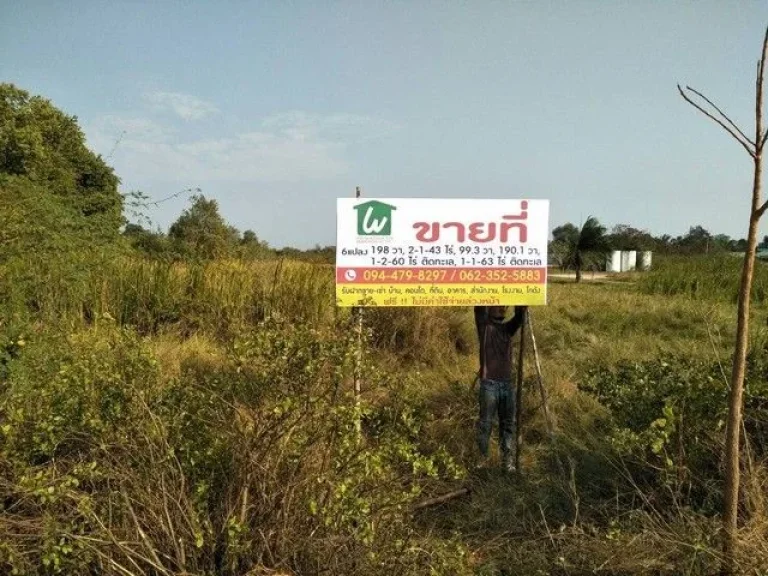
<point>544,399</point>
<point>358,311</point>
<point>542,390</point>
<point>519,396</point>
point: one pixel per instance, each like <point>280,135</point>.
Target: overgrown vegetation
<point>201,234</point>
<point>46,148</point>
<point>703,278</point>
<point>238,462</point>
<point>193,414</point>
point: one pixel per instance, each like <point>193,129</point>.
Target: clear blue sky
<point>277,108</point>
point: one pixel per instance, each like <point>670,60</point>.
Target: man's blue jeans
<point>497,396</point>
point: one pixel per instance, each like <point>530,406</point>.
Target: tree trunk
<point>577,265</point>
<point>733,428</point>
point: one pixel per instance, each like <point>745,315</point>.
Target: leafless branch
<point>114,147</point>
<point>759,112</point>
<point>762,209</point>
<point>175,195</point>
<point>709,115</point>
<point>441,499</point>
<point>759,97</point>
<point>723,114</point>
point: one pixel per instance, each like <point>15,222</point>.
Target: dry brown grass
<point>544,523</point>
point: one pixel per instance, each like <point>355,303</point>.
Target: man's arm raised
<point>517,320</point>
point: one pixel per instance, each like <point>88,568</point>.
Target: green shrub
<point>65,397</point>
<point>669,418</point>
<point>253,459</point>
<point>48,251</point>
<point>67,406</point>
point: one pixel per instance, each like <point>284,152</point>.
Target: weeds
<point>241,462</point>
<point>704,278</point>
<point>197,419</point>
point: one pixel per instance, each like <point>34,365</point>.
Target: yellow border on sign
<point>441,295</point>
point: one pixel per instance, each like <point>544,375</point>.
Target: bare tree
<point>754,148</point>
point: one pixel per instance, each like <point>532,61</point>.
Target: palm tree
<point>581,245</point>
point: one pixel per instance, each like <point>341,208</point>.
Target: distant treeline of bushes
<point>698,240</point>
<point>586,247</point>
<point>201,234</point>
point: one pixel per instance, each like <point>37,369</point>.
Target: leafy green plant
<point>106,465</point>
<point>669,416</point>
<point>42,145</point>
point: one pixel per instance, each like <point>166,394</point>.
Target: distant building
<point>628,260</point>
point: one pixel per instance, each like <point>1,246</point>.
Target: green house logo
<point>374,218</point>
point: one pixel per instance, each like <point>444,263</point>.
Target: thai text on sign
<point>441,252</point>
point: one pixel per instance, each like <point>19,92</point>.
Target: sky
<point>275,109</point>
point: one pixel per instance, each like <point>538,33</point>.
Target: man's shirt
<point>496,343</point>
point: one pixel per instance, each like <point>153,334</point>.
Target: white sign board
<point>441,252</point>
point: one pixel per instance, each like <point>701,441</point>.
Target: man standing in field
<point>496,394</point>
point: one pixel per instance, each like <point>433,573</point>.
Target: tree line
<point>57,196</point>
<point>585,247</point>
<point>54,189</point>
<point>201,233</point>
<point>698,240</point>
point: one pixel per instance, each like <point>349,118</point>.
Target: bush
<point>669,418</point>
<point>249,461</point>
<point>67,407</point>
<point>41,144</point>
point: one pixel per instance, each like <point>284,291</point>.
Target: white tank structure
<point>646,259</point>
<point>628,260</point>
<point>613,262</point>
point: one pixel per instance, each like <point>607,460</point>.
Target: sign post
<point>441,252</point>
<point>358,357</point>
<point>519,395</point>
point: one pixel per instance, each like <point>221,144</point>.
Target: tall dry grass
<point>153,296</point>
<point>593,519</point>
<point>714,277</point>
